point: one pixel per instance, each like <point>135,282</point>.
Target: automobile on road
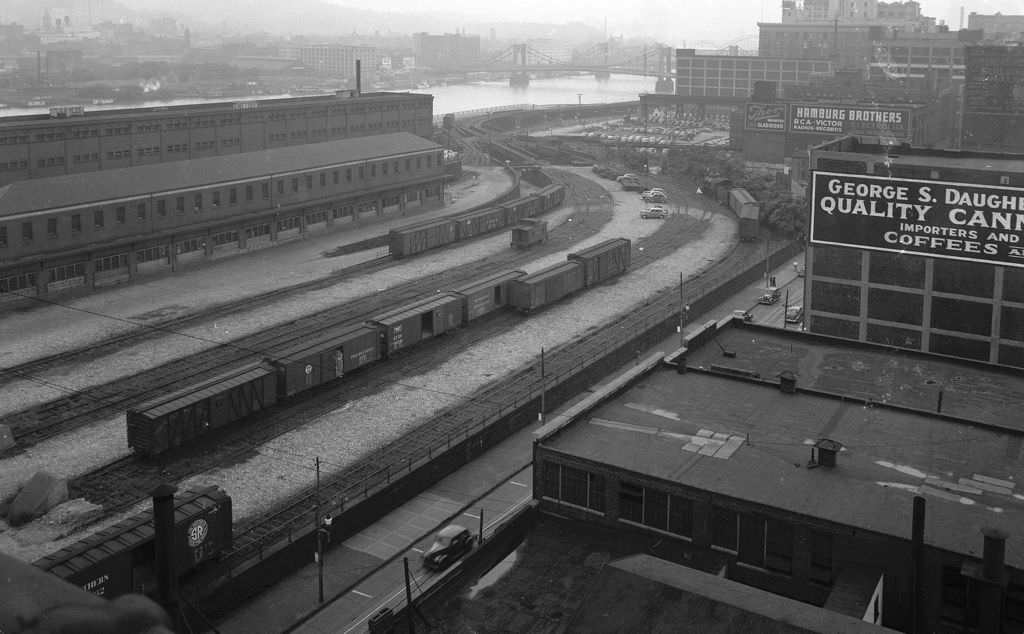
<point>452,541</point>
<point>655,212</point>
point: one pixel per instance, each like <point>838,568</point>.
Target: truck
<point>794,314</point>
<point>769,296</point>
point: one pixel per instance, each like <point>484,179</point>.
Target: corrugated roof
<point>556,269</point>
<point>178,399</point>
<point>489,282</point>
<point>144,180</point>
<point>418,308</point>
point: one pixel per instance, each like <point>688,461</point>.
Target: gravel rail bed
<point>53,418</point>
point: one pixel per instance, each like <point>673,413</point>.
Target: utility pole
<point>408,597</point>
<point>543,388</point>
<point>683,309</point>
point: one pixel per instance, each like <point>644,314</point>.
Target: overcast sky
<point>672,21</point>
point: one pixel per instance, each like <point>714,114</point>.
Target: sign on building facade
<point>960,221</point>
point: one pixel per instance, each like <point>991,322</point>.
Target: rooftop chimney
<point>359,77</point>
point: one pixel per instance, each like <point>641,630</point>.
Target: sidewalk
<point>365,572</point>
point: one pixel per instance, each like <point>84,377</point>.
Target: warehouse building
<point>917,248</point>
<point>812,468</point>
<point>106,227</point>
<point>74,140</point>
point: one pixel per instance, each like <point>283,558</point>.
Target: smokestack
<point>917,563</point>
<point>359,77</point>
<point>994,554</point>
<point>163,538</point>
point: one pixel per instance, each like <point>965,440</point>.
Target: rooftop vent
<point>787,382</point>
<point>823,453</point>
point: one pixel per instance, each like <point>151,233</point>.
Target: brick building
<point>798,461</point>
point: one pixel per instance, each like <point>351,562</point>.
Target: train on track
<point>745,206</point>
<point>120,559</point>
<point>433,234</point>
<point>188,415</point>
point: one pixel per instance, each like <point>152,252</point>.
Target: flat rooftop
<point>881,149</point>
<point>726,427</point>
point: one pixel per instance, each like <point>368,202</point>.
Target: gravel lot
<point>284,465</point>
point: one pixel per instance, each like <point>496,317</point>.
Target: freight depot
<point>940,244</point>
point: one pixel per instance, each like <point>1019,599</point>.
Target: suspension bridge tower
<point>665,85</point>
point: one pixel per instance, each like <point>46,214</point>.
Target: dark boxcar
<point>552,195</point>
<point>408,325</point>
<point>326,358</point>
<point>524,207</point>
<point>120,559</point>
<point>485,296</point>
<point>546,286</point>
<point>748,210</point>
<point>603,261</point>
<point>478,222</point>
<point>183,416</point>
<point>421,237</point>
<point>529,232</point>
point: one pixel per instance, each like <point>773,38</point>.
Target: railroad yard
<point>179,328</point>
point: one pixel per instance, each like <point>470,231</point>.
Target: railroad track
<point>120,485</point>
<point>54,418</point>
<point>256,534</point>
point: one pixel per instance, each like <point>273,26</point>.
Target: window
<point>180,203</point>
<point>265,190</point>
<point>418,163</point>
<point>309,181</point>
<point>111,263</point>
<point>334,177</point>
<point>51,227</point>
<point>26,231</point>
<point>280,186</point>
<point>151,254</point>
<point>631,502</point>
<point>140,211</point>
<point>248,192</point>
<point>407,162</point>
<point>821,558</point>
<point>161,208</point>
<point>215,202</point>
<point>724,528</point>
<point>373,171</point>
<point>396,167</point>
<point>119,215</point>
<point>360,172</point>
<point>233,196</point>
<point>197,202</point>
<point>348,174</point>
<point>76,223</point>
<point>574,486</point>
<point>295,184</point>
<point>680,515</point>
<point>3,236</point>
<point>97,218</point>
<point>323,180</point>
<point>778,546</point>
<point>384,169</point>
<point>430,160</point>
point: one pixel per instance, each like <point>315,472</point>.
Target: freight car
<point>433,234</point>
<point>187,415</point>
<point>183,416</point>
<point>529,232</point>
<point>749,212</point>
<point>119,560</point>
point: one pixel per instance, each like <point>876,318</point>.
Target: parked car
<point>743,315</point>
<point>655,212</point>
<point>653,193</point>
<point>452,541</point>
<point>769,297</point>
<point>794,314</point>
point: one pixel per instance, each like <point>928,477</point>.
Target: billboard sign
<point>765,116</point>
<point>958,221</point>
<point>833,119</point>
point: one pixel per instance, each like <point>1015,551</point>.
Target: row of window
<point>756,540</point>
<point>217,199</point>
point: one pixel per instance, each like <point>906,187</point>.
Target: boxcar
<point>478,222</point>
<point>528,232</point>
<point>312,363</point>
<point>546,286</point>
<point>486,296</point>
<point>748,210</point>
<point>552,195</point>
<point>421,237</point>
<point>186,415</point>
<point>409,325</point>
<point>524,207</point>
<point>603,261</point>
<point>120,559</point>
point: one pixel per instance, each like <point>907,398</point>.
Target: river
<point>572,89</point>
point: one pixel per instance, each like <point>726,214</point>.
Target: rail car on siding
<point>184,417</point>
<point>529,232</point>
<point>433,234</point>
<point>120,559</point>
